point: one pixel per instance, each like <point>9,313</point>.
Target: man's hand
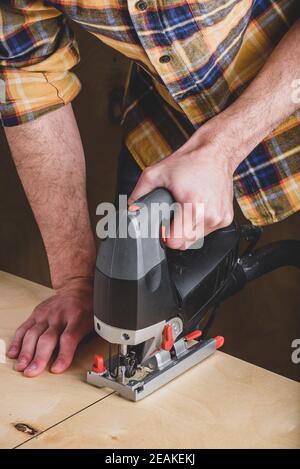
<point>62,320</point>
<point>199,172</point>
<point>202,169</point>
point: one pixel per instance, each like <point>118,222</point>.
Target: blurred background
<point>259,323</point>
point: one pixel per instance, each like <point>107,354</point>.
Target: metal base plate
<point>136,390</point>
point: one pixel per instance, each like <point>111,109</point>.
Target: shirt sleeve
<point>37,52</point>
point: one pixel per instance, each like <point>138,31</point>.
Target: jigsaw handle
<point>163,211</point>
<point>133,289</point>
<point>160,195</point>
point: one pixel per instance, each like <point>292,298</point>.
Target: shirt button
<point>141,5</point>
<point>164,59</point>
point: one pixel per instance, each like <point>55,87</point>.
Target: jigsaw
<point>155,305</point>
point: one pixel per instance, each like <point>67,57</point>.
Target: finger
<point>146,183</point>
<point>176,237</point>
<point>218,223</point>
<point>28,345</point>
<point>194,236</point>
<point>174,240</point>
<point>191,242</point>
<point>15,345</point>
<point>45,346</point>
<point>186,242</point>
<point>187,227</point>
<point>67,346</point>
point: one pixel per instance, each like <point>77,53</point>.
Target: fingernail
<point>12,350</point>
<point>133,208</point>
<point>58,365</point>
<point>32,367</point>
<point>21,362</point>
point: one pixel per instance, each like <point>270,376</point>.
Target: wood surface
<point>41,402</point>
<point>224,402</point>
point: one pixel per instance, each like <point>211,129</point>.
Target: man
<point>213,87</point>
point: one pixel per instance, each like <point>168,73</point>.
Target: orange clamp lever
<point>167,340</point>
<point>219,341</point>
<point>98,365</point>
<point>193,335</point>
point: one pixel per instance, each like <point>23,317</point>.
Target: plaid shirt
<point>191,59</point>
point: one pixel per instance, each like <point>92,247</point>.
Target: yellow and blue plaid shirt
<point>191,59</point>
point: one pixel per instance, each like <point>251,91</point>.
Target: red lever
<point>98,365</point>
<point>163,233</point>
<point>193,335</point>
<point>167,340</point>
<point>219,341</point>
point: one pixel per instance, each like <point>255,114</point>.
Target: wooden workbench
<point>222,403</point>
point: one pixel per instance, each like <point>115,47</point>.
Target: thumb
<point>175,238</point>
<point>146,183</point>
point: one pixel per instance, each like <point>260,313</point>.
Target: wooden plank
<point>40,402</point>
<point>222,403</point>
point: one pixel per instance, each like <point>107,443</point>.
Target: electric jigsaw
<point>155,305</point>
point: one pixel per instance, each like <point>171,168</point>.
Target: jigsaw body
<point>155,305</point>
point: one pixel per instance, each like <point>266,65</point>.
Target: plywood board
<point>40,402</point>
<point>222,403</point>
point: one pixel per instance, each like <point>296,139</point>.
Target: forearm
<point>49,158</point>
<point>267,101</point>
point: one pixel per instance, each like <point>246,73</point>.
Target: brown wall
<point>259,323</point>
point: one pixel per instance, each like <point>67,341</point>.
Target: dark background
<point>259,323</point>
